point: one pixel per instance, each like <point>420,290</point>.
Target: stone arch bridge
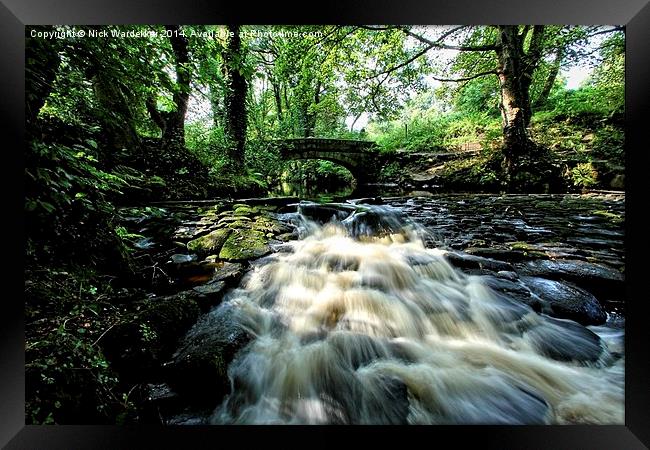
<point>361,158</point>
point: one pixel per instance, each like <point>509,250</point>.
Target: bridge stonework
<point>361,158</point>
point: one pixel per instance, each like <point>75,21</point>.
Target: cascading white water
<point>381,330</point>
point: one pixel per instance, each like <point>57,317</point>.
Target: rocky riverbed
<point>562,255</point>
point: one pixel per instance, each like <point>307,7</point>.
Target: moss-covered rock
<point>230,219</point>
<point>210,243</point>
<point>245,210</point>
<point>244,244</point>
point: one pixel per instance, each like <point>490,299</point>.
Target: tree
<point>172,122</point>
<point>511,53</point>
<point>41,65</point>
<point>235,97</point>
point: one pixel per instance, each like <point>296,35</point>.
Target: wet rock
<point>189,418</point>
<point>229,272</point>
<point>210,243</point>
<point>512,276</point>
<point>227,220</point>
<point>211,291</point>
<point>244,244</point>
<point>245,210</point>
<point>144,244</point>
<point>367,201</point>
<point>595,242</point>
<point>374,222</point>
<point>566,340</point>
<point>284,237</point>
<point>325,213</point>
<point>600,280</point>
<point>467,261</point>
<point>567,301</point>
<point>155,402</point>
<point>270,201</point>
<point>499,403</point>
<point>199,367</point>
<point>496,253</point>
<point>513,290</point>
<point>181,259</point>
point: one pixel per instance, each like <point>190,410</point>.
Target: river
<point>429,309</point>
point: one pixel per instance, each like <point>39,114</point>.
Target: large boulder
<point>325,213</point>
<point>514,290</point>
<point>243,245</point>
<point>565,340</point>
<point>600,280</point>
<point>566,301</point>
<point>199,367</point>
<point>210,243</point>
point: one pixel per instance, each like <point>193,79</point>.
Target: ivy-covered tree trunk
<point>41,65</point>
<point>172,123</point>
<point>309,97</point>
<point>515,76</point>
<point>174,132</point>
<point>115,116</point>
<point>235,98</point>
<point>276,97</point>
<point>216,106</point>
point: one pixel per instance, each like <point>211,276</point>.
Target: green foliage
<point>68,379</point>
<point>390,172</point>
<point>586,101</point>
<point>479,96</point>
<point>436,132</point>
<point>608,77</point>
<point>321,173</point>
<point>68,200</point>
<point>206,143</point>
<point>609,143</point>
<point>584,175</point>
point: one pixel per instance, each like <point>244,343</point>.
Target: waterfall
<point>358,323</point>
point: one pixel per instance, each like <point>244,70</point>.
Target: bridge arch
<point>354,155</point>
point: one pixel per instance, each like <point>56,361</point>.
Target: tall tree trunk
<point>235,99</point>
<point>276,96</point>
<point>174,132</point>
<point>307,116</point>
<point>115,116</point>
<point>311,117</point>
<point>515,76</point>
<point>217,108</point>
<point>550,80</point>
<point>172,123</point>
<point>41,66</point>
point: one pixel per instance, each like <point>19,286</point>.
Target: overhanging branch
<point>462,48</point>
<point>471,77</point>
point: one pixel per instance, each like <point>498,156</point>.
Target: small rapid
<point>357,322</point>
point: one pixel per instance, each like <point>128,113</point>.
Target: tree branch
<point>457,80</point>
<point>611,30</point>
<point>405,63</point>
<point>462,48</point>
<point>418,54</point>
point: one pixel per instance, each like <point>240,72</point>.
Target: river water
<point>363,320</point>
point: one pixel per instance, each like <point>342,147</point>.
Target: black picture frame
<point>634,14</point>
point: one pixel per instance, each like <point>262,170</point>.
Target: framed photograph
<point>392,218</point>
